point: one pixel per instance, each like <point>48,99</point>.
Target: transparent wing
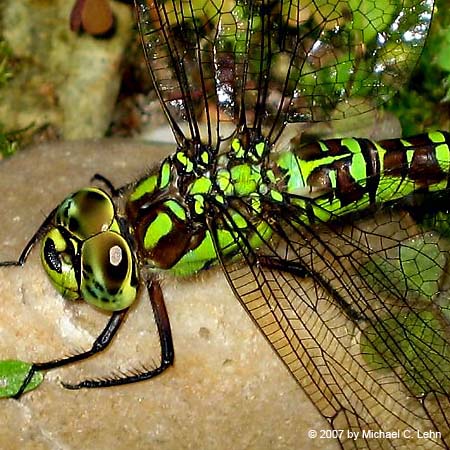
<point>219,65</point>
<point>358,310</point>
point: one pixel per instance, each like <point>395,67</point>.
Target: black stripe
<point>373,169</point>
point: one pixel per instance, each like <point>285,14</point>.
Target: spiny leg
<point>165,338</point>
<point>99,345</point>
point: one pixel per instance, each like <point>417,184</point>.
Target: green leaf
<point>13,373</point>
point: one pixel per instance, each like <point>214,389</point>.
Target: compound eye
<point>109,274</point>
<point>57,256</point>
<point>86,212</point>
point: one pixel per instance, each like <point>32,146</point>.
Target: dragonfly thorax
<point>86,255</point>
<point>169,210</point>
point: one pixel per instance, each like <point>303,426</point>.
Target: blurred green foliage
<point>5,54</point>
<point>9,139</point>
<point>424,103</point>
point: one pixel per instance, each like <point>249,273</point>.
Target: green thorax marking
<point>167,212</point>
<point>154,182</point>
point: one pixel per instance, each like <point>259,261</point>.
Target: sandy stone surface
<point>227,389</point>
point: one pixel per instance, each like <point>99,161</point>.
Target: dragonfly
<point>337,249</point>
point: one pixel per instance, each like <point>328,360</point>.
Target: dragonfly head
<point>86,255</point>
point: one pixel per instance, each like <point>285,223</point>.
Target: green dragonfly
<point>337,249</point>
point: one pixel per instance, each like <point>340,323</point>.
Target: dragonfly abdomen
<point>343,175</point>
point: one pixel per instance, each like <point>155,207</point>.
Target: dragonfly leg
<point>99,177</point>
<point>99,344</point>
<point>165,338</point>
<point>299,271</point>
<point>31,243</point>
<point>283,266</point>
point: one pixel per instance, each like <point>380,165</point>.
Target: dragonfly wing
<point>347,318</point>
<point>195,52</point>
<point>226,64</point>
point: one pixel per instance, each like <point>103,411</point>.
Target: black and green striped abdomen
<point>338,176</point>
